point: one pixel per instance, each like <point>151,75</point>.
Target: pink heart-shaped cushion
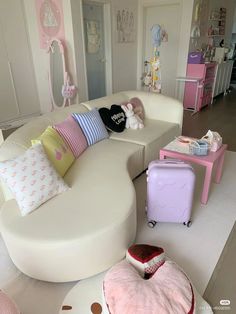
<point>138,107</point>
<point>167,291</point>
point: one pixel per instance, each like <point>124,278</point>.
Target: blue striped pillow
<point>92,126</point>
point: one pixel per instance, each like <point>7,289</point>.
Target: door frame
<point>185,26</point>
<point>107,44</point>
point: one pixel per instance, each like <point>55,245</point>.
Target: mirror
<point>57,72</point>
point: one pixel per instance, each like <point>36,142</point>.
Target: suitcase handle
<point>171,162</point>
<point>168,160</point>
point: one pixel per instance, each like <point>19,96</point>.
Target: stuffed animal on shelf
<point>132,120</point>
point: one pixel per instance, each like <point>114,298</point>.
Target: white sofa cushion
<point>81,234</point>
<point>153,137</point>
<point>162,123</point>
<point>156,106</point>
<point>106,101</point>
<point>80,226</point>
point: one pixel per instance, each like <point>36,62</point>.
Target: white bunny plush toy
<point>132,120</point>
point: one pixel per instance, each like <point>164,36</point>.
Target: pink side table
<point>213,158</point>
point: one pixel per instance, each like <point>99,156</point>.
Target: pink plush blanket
<point>168,291</point>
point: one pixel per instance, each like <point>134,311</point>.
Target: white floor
<point>195,249</point>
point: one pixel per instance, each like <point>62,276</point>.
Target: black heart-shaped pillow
<point>113,118</point>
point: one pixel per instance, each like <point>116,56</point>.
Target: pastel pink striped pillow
<point>71,132</point>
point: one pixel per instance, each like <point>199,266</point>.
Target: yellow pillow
<point>56,149</point>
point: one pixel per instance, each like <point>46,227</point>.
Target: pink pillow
<point>167,291</point>
<point>71,132</point>
<point>138,107</point>
<point>7,306</point>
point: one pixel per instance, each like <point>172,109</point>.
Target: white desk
<point>195,80</point>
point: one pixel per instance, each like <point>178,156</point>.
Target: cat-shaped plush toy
<point>132,120</point>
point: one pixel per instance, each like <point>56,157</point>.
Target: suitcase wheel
<point>152,223</point>
<point>188,224</point>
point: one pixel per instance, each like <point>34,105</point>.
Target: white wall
<point>126,57</point>
<point>184,36</point>
<point>77,24</point>
<point>40,58</point>
<point>124,54</point>
<point>186,20</point>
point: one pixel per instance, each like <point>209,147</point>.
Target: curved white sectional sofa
<point>87,229</point>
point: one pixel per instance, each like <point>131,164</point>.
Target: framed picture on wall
<point>50,21</point>
<point>125,25</point>
<point>93,36</point>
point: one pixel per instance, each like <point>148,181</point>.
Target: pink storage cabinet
<point>206,72</point>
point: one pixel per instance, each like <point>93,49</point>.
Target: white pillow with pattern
<point>31,178</point>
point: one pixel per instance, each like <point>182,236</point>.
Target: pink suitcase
<point>170,188</point>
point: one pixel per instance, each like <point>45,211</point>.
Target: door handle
<point>103,60</point>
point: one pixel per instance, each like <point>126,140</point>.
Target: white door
<point>8,103</point>
<point>169,17</point>
<point>95,49</point>
<point>18,93</point>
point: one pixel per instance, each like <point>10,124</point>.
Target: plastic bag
<point>214,139</point>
